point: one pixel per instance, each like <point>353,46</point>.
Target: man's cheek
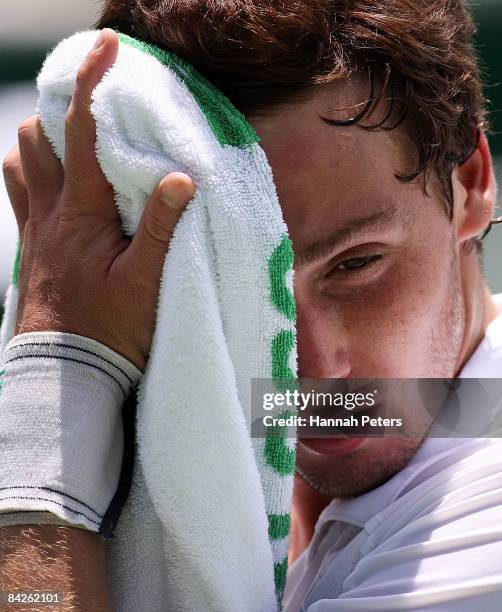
<point>392,337</point>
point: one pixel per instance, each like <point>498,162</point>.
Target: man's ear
<point>474,193</point>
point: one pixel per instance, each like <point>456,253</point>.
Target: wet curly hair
<point>419,56</point>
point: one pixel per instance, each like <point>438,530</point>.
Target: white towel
<point>226,315</point>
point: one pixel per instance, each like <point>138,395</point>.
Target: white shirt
<point>428,539</point>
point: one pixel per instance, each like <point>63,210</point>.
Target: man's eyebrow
<point>342,235</point>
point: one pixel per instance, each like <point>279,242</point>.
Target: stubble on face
<point>358,473</point>
<point>379,459</point>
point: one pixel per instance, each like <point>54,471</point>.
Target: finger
<point>148,248</point>
<point>42,170</point>
<point>81,165</point>
<point>16,187</point>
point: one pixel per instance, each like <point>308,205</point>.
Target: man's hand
<point>78,272</point>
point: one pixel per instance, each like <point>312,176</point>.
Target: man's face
<point>376,270</point>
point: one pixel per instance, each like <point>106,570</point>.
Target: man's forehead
<point>296,135</point>
<point>334,181</point>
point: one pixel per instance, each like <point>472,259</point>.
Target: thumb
<point>163,210</point>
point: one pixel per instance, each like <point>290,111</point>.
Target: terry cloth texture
<point>217,498</point>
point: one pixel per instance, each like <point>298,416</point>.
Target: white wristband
<point>61,430</point>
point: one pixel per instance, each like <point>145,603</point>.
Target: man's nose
<point>322,343</point>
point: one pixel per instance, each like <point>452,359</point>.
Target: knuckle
<point>71,121</point>
<point>157,227</point>
<point>27,127</point>
<point>83,75</point>
<point>11,165</point>
<point>76,122</point>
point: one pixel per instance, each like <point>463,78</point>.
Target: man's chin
<point>348,467</point>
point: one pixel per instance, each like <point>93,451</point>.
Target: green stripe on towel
<point>278,526</point>
<point>280,574</point>
<point>227,123</point>
<point>280,263</point>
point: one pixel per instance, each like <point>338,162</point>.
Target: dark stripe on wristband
<point>91,365</point>
<point>53,501</point>
<point>75,348</point>
<point>57,493</point>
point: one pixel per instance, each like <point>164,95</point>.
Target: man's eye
<point>357,263</point>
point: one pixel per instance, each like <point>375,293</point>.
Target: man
<point>372,118</point>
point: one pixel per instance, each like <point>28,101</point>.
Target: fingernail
<point>173,195</point>
<point>173,198</point>
<point>99,40</point>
